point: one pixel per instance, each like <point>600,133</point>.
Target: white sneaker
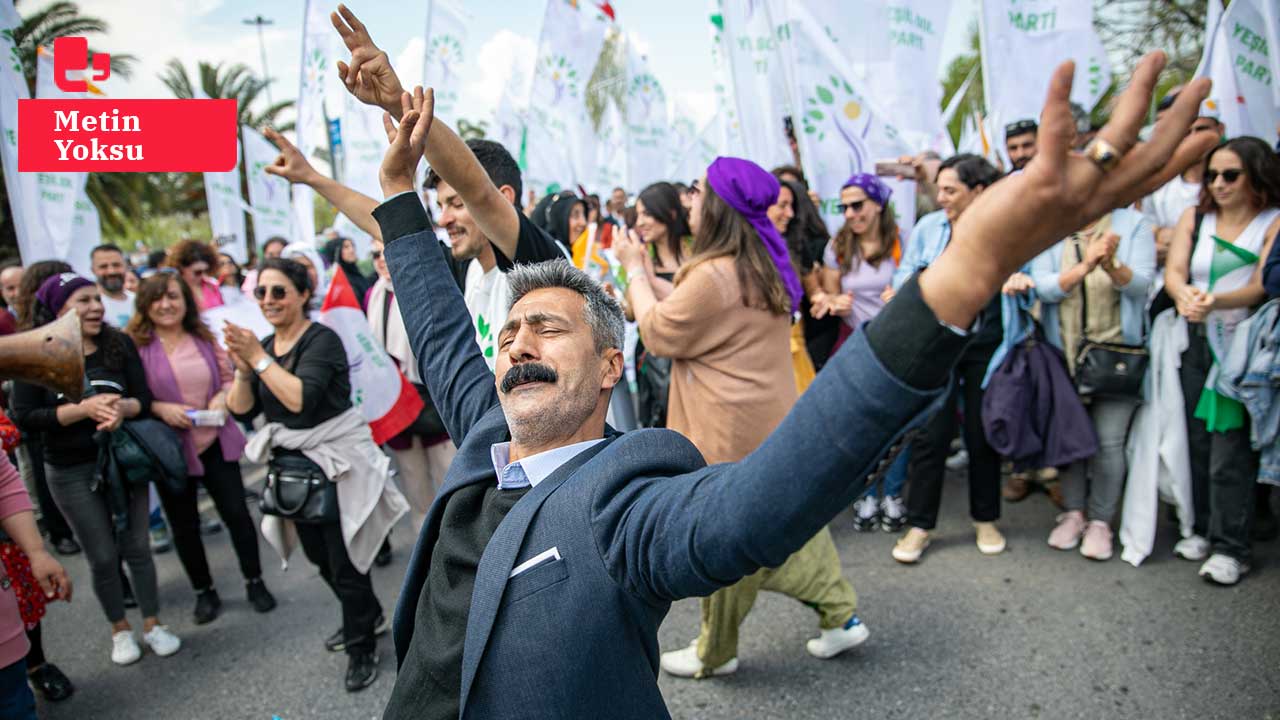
<point>835,641</point>
<point>1194,548</point>
<point>124,649</point>
<point>866,513</point>
<point>161,641</point>
<point>685,663</point>
<point>1223,569</point>
<point>958,461</point>
<point>893,513</point>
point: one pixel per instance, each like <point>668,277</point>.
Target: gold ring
<point>1103,154</point>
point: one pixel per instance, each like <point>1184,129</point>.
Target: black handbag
<point>1106,369</point>
<point>298,490</point>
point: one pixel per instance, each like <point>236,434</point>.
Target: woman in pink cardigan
<point>188,374</point>
<point>19,523</point>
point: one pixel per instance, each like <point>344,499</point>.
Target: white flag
<point>568,49</point>
<point>52,216</point>
<point>1236,58</point>
<point>727,135</point>
<point>754,39</point>
<point>268,194</point>
<point>318,58</point>
<point>646,122</point>
<point>446,52</point>
<point>226,211</point>
<point>610,150</point>
<point>364,142</point>
<point>1022,42</point>
<point>905,78</point>
<point>839,131</point>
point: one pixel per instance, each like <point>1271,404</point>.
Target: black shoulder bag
<point>297,489</point>
<point>1106,369</point>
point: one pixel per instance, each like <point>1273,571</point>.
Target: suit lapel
<point>498,559</point>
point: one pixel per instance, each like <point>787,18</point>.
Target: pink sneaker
<point>1097,541</point>
<point>1067,534</point>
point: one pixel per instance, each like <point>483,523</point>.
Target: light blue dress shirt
<point>534,469</point>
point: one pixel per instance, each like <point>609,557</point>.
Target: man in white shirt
<point>109,269</point>
<point>1164,206</point>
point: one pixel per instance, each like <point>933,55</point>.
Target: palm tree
<point>222,81</point>
<point>61,19</point>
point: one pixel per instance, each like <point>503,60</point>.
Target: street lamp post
<point>260,21</point>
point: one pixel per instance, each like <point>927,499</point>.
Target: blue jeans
<point>893,480</point>
<point>16,700</point>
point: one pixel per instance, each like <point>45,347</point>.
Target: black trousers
<point>929,450</point>
<point>360,609</point>
<point>1224,466</point>
<point>225,486</point>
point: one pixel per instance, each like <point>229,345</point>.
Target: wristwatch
<point>262,365</point>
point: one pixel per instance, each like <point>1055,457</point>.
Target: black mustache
<point>527,372</point>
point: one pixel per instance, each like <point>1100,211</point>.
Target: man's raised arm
<point>370,77</point>
<point>435,316</point>
<point>681,539</point>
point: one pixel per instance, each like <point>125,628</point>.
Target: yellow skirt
<point>801,363</point>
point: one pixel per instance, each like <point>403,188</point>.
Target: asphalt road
<point>1033,633</point>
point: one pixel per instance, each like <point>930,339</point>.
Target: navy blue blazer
<point>640,524</point>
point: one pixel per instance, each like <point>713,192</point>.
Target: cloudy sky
<point>676,31</point>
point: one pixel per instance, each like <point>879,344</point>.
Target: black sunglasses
<point>1229,176</point>
<point>375,254</point>
<point>278,292</point>
<point>855,206</point>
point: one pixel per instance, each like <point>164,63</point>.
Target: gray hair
<point>602,313</point>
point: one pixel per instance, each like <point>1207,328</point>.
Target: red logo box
<point>104,135</point>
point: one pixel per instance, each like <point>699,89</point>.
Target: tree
<point>957,72</point>
<point>608,81</point>
<point>61,19</point>
<point>1130,28</point>
<point>236,82</point>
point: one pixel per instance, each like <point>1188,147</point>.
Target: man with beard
<point>1020,142</point>
<point>10,279</point>
<point>109,268</point>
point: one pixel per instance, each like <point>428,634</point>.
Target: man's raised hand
<point>290,163</point>
<point>400,162</point>
<point>369,75</point>
<point>1061,190</point>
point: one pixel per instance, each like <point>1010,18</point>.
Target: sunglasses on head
<point>278,292</point>
<point>855,206</point>
<point>1228,176</point>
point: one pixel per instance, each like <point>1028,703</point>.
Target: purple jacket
<point>1031,412</point>
<point>164,387</point>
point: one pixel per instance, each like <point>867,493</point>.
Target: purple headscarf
<point>875,188</point>
<point>750,190</point>
<point>55,291</point>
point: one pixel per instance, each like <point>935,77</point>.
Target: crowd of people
<point>537,329</point>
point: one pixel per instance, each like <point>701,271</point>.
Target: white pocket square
<point>543,557</point>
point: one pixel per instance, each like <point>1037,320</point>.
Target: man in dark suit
<point>556,546</point>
